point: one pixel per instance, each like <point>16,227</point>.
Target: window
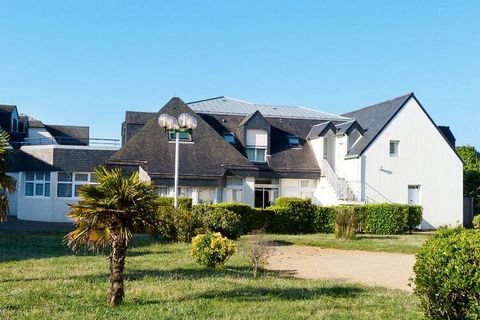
<point>256,154</point>
<point>163,191</point>
<point>184,136</point>
<point>307,183</point>
<point>205,195</point>
<point>394,148</point>
<point>294,141</point>
<point>69,183</point>
<point>229,137</point>
<point>233,181</point>
<point>306,195</point>
<point>37,184</point>
<point>237,195</point>
<point>256,145</point>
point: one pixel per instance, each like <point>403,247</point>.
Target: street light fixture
<point>185,123</point>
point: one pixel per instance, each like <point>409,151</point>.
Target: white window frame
<point>172,134</point>
<point>44,182</point>
<point>75,183</point>
<point>256,157</point>
<point>396,146</point>
<point>294,145</point>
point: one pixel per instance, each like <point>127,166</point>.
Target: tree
<point>7,183</point>
<point>108,214</point>
<point>471,173</point>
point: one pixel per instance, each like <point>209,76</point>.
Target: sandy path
<point>390,270</point>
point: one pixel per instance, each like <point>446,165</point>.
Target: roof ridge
<point>382,102</point>
<point>208,99</point>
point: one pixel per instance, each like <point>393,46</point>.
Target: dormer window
<point>229,137</point>
<point>294,141</point>
<point>184,136</point>
<point>257,141</point>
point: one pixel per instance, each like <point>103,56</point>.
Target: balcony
<point>71,141</point>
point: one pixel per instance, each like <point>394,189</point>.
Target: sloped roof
<point>321,129</point>
<point>374,119</point>
<point>208,155</point>
<point>69,135</point>
<point>226,105</point>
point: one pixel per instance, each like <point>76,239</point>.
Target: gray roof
<point>374,119</point>
<point>321,129</point>
<point>226,105</point>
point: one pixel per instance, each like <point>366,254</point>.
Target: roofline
<point>412,95</point>
<point>385,125</point>
<point>372,105</point>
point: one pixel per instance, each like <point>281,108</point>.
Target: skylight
<point>229,137</point>
<point>294,141</point>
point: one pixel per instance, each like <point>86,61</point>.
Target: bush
<point>211,249</point>
<point>415,214</point>
<point>476,222</point>
<point>385,218</point>
<point>185,203</point>
<point>219,219</point>
<point>448,275</point>
<point>178,224</point>
<point>251,218</point>
<point>345,223</point>
<point>324,219</point>
<point>291,215</point>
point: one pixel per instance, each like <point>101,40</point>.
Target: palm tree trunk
<point>117,265</point>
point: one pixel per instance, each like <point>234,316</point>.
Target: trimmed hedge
<point>185,203</point>
<point>447,270</point>
<point>219,219</point>
<point>250,218</point>
<point>388,218</point>
<point>291,215</point>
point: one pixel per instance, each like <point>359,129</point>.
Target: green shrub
<point>476,222</point>
<point>185,203</point>
<point>251,218</point>
<point>178,224</point>
<point>211,249</point>
<point>447,272</point>
<point>218,219</point>
<point>385,218</point>
<point>324,219</point>
<point>345,222</point>
<point>415,215</point>
<point>291,215</point>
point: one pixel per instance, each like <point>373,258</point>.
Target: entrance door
<point>262,198</point>
<point>414,195</point>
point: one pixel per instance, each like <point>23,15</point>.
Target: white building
<point>390,152</point>
<point>49,163</point>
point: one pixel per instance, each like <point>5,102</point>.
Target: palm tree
<point>7,183</point>
<point>108,214</point>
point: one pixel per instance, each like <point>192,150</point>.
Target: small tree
<point>471,173</point>
<point>258,250</point>
<point>108,214</point>
<point>7,183</point>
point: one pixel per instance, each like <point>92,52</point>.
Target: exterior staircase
<point>340,187</point>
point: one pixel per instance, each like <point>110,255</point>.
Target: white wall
<point>425,159</point>
<point>13,197</point>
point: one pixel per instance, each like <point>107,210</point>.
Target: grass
<point>393,243</point>
<point>41,279</point>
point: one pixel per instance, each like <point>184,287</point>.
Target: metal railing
<point>71,141</point>
<point>339,186</point>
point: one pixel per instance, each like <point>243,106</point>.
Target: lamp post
<point>185,123</point>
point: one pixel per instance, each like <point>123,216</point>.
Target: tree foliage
<point>471,173</point>
<point>108,214</point>
<point>7,183</point>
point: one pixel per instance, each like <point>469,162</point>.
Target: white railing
<point>339,186</point>
<point>71,141</point>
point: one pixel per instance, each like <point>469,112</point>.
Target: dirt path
<point>390,270</point>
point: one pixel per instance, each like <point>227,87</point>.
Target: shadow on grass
<point>19,246</point>
<point>279,243</point>
<point>371,237</point>
<point>290,293</point>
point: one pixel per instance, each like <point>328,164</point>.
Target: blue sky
<point>87,62</point>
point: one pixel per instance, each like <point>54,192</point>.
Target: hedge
<point>185,203</point>
<point>294,216</point>
<point>291,215</point>
<point>447,275</point>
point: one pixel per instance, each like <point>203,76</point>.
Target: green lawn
<point>396,243</point>
<point>41,279</point>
